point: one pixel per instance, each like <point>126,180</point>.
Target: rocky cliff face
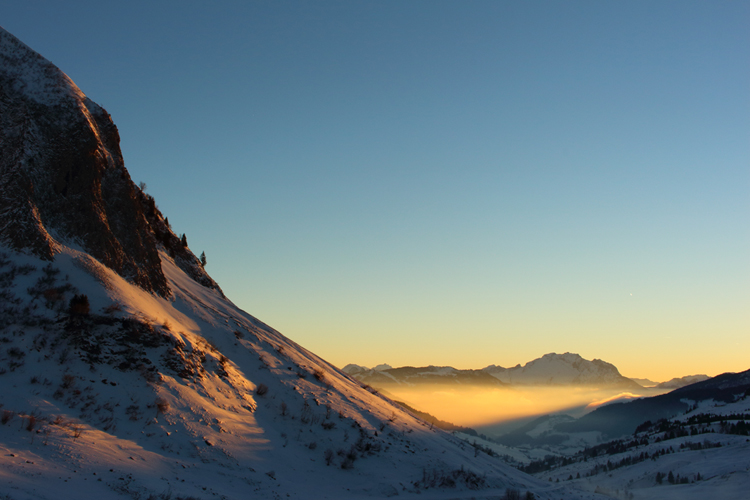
<point>63,178</point>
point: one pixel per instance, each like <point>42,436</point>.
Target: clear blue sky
<point>458,183</point>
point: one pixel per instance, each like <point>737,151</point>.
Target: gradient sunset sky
<point>447,183</point>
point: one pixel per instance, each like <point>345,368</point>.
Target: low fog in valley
<point>496,410</point>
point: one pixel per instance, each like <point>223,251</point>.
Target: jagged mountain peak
<point>567,368</point>
<point>569,357</point>
<point>64,181</point>
<point>572,360</point>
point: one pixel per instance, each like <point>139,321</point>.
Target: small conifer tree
<point>203,259</point>
<point>184,240</point>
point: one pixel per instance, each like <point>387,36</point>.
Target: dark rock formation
<point>62,175</point>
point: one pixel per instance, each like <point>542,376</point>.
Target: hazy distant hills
<point>676,383</point>
<point>409,376</point>
<point>644,382</point>
<point>618,419</point>
<point>551,369</point>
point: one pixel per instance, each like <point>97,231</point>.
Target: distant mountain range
<point>644,382</point>
<point>551,369</point>
<point>676,383</point>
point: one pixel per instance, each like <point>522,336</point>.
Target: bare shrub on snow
<point>348,459</point>
<point>113,308</point>
<point>132,412</point>
<point>442,479</point>
<point>7,416</point>
<point>162,406</point>
<point>15,352</point>
<point>306,416</point>
<point>68,381</point>
<point>512,494</point>
<point>30,422</point>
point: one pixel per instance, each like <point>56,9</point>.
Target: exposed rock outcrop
<point>63,178</point>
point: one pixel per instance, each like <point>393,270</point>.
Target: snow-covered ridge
<point>551,369</point>
<point>32,75</point>
<point>563,369</point>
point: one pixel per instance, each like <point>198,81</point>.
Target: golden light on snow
<point>623,396</point>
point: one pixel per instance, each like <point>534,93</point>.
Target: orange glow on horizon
<point>473,406</point>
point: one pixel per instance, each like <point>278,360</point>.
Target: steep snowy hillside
<point>126,373</point>
<point>188,393</point>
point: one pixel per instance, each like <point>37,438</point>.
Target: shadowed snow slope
<point>126,373</point>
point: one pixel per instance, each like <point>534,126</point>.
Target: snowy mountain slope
<point>176,384</point>
<point>124,370</point>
